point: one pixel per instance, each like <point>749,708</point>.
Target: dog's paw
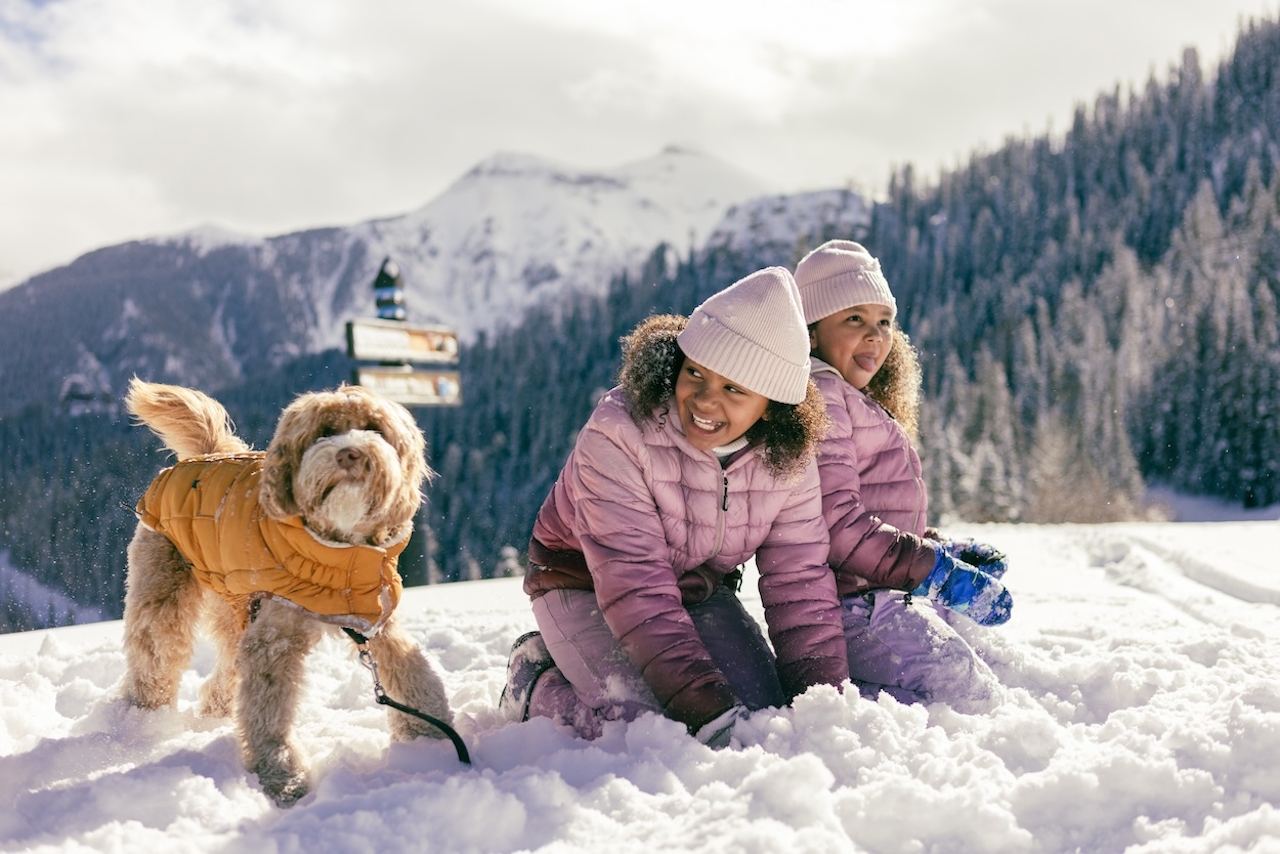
<point>138,695</point>
<point>216,701</point>
<point>282,776</point>
<point>285,790</point>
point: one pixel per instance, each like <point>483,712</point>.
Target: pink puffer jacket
<point>652,524</point>
<point>873,492</point>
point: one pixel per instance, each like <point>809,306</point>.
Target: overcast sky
<point>122,119</point>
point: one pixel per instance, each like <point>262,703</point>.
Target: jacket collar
<point>817,366</point>
<point>317,548</point>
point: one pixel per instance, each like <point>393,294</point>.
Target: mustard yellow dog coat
<point>208,508</point>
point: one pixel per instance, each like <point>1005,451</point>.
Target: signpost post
<point>398,346</point>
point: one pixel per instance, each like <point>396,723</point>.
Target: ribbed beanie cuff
<point>838,274</point>
<point>753,334</point>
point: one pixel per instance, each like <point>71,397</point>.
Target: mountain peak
<point>513,163</point>
<point>517,231</point>
<point>520,229</point>
<point>207,237</point>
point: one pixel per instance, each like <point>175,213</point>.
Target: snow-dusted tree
<point>509,564</point>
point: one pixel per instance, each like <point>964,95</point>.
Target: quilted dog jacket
<point>208,508</point>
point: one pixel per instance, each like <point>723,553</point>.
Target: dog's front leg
<point>409,679</point>
<point>270,665</point>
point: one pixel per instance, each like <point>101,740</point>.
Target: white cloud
<point>127,118</point>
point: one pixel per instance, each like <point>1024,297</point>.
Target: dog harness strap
<point>380,694</point>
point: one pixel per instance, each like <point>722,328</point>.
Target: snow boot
<point>529,660</point>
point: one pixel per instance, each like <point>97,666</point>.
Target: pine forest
<point>1095,310</point>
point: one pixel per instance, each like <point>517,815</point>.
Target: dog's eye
<point>374,428</point>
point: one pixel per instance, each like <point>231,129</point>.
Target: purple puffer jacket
<point>653,524</point>
<point>873,492</point>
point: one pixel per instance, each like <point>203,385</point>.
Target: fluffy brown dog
<point>270,548</point>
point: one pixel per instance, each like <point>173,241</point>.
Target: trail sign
<point>410,386</point>
<point>398,341</point>
<point>394,344</point>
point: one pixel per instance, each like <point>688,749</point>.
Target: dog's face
<point>351,463</point>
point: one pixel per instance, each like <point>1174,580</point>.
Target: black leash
<point>366,658</point>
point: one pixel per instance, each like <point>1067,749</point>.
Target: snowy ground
<point>1141,713</point>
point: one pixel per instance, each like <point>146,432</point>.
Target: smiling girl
<point>700,460</point>
<point>890,569</point>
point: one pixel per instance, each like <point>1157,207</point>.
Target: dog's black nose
<point>348,457</point>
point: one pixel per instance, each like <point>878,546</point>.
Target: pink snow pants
<point>594,681</point>
<point>905,647</point>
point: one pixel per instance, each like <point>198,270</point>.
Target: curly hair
<point>896,386</point>
<point>787,435</point>
<point>651,359</point>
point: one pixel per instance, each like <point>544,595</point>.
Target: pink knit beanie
<point>838,274</point>
<point>753,334</point>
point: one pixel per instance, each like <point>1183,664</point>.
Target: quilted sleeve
<point>861,545</point>
<point>798,592</point>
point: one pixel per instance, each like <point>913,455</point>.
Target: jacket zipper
<point>720,517</point>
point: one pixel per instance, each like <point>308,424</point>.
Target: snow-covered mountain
<point>780,229</point>
<point>518,230</point>
<point>208,307</point>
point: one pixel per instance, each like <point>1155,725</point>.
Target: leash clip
<point>380,694</point>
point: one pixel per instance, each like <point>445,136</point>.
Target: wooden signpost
<point>398,347</point>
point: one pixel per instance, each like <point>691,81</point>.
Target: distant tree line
<point>1099,310</point>
<point>1096,312</point>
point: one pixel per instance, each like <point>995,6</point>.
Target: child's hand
<point>968,590</point>
<point>986,558</point>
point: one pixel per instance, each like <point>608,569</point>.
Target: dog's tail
<point>188,421</point>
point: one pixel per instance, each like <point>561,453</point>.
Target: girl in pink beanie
<point>891,571</point>
<point>699,460</point>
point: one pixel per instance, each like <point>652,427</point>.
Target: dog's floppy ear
<point>292,437</point>
<point>412,446</point>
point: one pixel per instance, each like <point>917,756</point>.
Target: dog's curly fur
<point>352,465</point>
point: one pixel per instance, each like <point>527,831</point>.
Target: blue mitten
<point>967,590</point>
<point>987,558</point>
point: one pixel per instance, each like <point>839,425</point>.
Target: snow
<point>771,225</point>
<point>518,231</point>
<point>208,238</point>
<point>1140,713</point>
<point>1177,507</point>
